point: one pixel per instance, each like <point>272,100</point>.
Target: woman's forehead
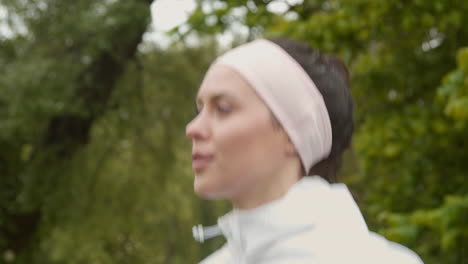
<point>222,81</point>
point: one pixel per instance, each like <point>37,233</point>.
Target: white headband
<point>289,93</point>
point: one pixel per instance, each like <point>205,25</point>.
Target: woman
<point>271,112</point>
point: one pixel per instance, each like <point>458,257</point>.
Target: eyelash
<point>223,109</point>
<point>220,109</point>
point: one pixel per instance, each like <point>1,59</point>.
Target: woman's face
<point>235,144</point>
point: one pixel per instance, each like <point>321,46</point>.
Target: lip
<point>200,160</point>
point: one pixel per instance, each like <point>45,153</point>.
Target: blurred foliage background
<point>94,164</point>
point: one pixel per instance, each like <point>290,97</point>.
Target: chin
<point>205,191</point>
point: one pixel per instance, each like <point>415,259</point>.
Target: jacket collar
<point>310,203</point>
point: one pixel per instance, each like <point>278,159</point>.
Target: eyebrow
<point>216,97</point>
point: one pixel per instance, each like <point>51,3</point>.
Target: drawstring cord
<point>201,233</point>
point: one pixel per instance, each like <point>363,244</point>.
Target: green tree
<point>94,164</point>
<point>57,80</point>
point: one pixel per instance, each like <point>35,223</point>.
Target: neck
<point>270,189</point>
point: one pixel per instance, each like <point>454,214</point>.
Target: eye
<point>197,108</point>
<point>223,108</point>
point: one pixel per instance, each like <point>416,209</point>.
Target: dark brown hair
<point>331,77</point>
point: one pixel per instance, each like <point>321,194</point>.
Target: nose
<point>197,128</point>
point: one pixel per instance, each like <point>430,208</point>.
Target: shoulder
<point>325,247</point>
<point>220,256</point>
<point>391,252</point>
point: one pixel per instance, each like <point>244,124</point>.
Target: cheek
<point>232,142</point>
<point>247,145</point>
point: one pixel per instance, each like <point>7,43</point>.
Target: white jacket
<point>315,222</point>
